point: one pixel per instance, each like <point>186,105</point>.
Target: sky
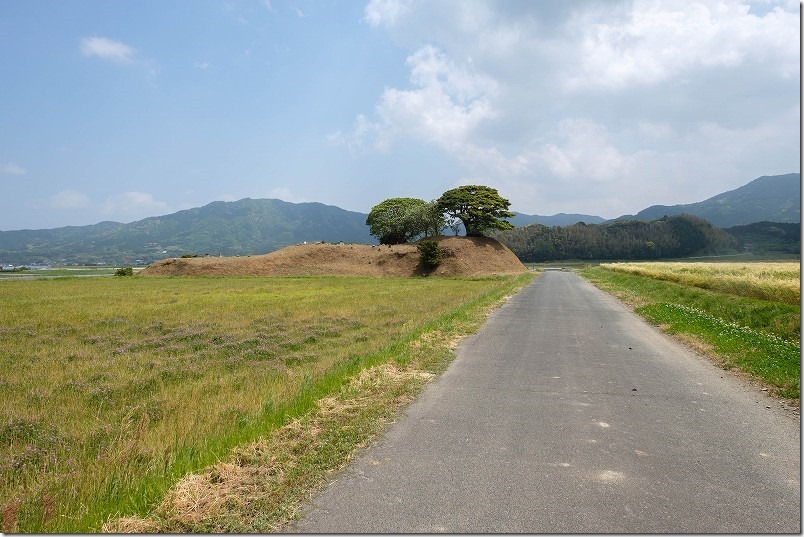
<point>121,109</point>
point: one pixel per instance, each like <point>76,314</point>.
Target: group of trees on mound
<point>674,236</point>
<point>400,220</point>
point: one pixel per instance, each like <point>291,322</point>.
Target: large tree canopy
<point>479,208</point>
<point>392,221</point>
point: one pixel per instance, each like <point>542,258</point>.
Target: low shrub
<point>430,252</point>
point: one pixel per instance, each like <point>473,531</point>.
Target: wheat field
<point>772,281</point>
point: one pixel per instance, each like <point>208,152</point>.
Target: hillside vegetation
<point>675,236</point>
<point>242,227</point>
<point>764,238</point>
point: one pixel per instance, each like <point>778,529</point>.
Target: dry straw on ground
<point>260,487</point>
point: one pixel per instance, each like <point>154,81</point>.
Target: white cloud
<point>12,168</point>
<point>448,103</point>
<point>657,40</point>
<point>68,199</point>
<point>107,49</point>
<point>133,205</point>
<point>385,12</point>
<point>583,149</point>
<point>614,105</point>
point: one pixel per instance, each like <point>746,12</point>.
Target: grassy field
<point>746,315</point>
<point>113,389</point>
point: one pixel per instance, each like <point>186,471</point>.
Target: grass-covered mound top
<point>462,256</point>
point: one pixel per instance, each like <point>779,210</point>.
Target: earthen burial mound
<point>463,256</point>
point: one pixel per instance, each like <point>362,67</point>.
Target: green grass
<point>758,337</point>
<point>115,388</point>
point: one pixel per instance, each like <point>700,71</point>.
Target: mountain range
<point>774,198</point>
<point>255,226</point>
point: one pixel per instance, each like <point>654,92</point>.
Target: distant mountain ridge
<point>771,198</point>
<point>257,226</point>
<point>560,219</point>
<point>244,227</point>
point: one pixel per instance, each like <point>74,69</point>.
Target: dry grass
<point>772,281</point>
<point>261,486</point>
<point>114,388</point>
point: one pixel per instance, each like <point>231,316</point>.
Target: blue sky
<point>120,110</point>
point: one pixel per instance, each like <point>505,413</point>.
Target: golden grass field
<point>773,281</point>
<point>113,388</point>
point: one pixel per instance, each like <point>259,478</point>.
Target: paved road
<point>567,413</point>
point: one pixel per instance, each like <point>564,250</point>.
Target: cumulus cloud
<point>660,39</point>
<point>446,105</point>
<point>621,104</point>
<point>107,49</point>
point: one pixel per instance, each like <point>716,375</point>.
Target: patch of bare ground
<point>463,257</point>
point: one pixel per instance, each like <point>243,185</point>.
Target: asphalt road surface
<point>567,413</point>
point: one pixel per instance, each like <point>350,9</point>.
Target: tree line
<point>674,236</point>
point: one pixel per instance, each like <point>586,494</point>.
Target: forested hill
<point>675,236</point>
<point>248,226</point>
<point>774,198</point>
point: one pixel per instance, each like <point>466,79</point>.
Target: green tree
<point>394,220</point>
<point>428,218</point>
<point>480,208</point>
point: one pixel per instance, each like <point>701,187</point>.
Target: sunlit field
<point>746,315</point>
<point>113,388</point>
<point>777,282</point>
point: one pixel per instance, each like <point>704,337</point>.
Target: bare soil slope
<point>463,256</point>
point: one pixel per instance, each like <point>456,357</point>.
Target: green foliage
<point>426,217</point>
<point>689,233</point>
<point>674,236</point>
<point>125,271</point>
<point>393,221</point>
<point>768,238</point>
<point>430,252</point>
<point>480,208</point>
